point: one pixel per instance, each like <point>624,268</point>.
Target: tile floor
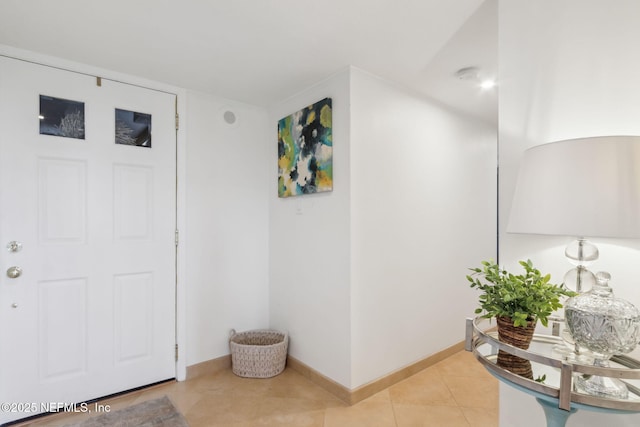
<point>456,392</point>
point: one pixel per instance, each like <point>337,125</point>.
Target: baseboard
<point>341,392</point>
<point>367,390</point>
<point>375,386</point>
<point>209,367</point>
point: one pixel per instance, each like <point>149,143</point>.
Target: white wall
<point>309,246</point>
<point>423,209</point>
<point>578,77</point>
<point>226,240</point>
<point>359,275</point>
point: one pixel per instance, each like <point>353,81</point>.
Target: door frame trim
<point>181,250</point>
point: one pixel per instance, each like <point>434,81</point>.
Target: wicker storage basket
<point>261,353</point>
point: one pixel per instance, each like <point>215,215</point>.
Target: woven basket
<point>517,336</point>
<point>261,353</point>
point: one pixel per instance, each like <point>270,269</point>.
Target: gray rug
<point>153,413</point>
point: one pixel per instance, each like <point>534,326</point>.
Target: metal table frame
<point>558,401</point>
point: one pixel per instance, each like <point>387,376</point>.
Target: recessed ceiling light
<point>488,84</point>
<point>476,76</point>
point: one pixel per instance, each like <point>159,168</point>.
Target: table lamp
<point>586,187</point>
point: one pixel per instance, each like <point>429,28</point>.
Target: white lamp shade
<point>587,187</point>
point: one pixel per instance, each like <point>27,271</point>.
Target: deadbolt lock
<point>14,246</point>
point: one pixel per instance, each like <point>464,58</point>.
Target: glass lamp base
<point>580,253</point>
<point>579,279</point>
<point>600,386</point>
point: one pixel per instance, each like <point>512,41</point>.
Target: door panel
<point>93,312</point>
<point>62,333</point>
<point>133,198</point>
<point>133,317</point>
<point>62,201</point>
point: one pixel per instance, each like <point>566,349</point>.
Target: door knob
<point>14,272</point>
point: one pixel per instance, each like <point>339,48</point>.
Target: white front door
<point>92,311</point>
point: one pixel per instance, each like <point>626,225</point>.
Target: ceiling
<point>263,51</point>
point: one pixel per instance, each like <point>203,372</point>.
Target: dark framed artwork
<point>305,151</point>
<point>61,117</point>
<point>133,128</point>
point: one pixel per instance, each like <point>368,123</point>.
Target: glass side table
<point>556,394</point>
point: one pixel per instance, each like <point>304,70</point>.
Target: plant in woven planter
<point>518,302</point>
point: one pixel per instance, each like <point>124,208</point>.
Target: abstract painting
<point>133,128</point>
<point>305,151</point>
<point>61,117</point>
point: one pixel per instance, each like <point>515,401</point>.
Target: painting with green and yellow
<point>305,151</point>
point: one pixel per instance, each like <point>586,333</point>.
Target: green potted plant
<point>518,302</point>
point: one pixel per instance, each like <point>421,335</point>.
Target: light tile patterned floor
<point>456,392</point>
